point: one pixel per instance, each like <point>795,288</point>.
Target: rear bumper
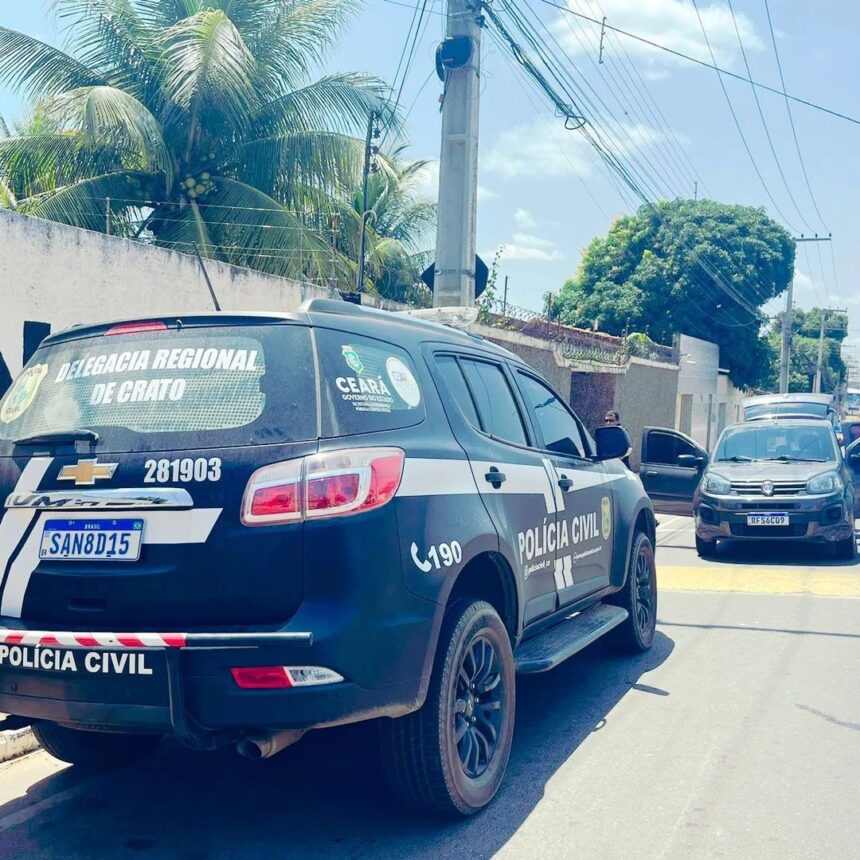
<point>188,689</point>
<point>824,519</point>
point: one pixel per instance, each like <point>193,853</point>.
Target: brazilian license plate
<point>91,540</point>
<point>768,519</point>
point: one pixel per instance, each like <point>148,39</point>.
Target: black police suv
<point>235,528</point>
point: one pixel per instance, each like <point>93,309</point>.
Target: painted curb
<point>17,742</point>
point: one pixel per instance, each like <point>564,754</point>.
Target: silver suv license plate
<point>91,540</point>
<point>769,519</point>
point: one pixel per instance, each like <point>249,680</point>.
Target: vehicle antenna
<point>206,276</point>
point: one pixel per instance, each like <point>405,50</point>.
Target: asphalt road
<point>737,736</point>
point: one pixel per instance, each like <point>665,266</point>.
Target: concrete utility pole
<point>372,134</point>
<point>785,355</point>
<point>788,320</point>
<point>454,278</point>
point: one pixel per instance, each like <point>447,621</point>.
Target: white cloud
<point>541,149</point>
<point>427,184</point>
<point>527,247</point>
<point>524,219</point>
<point>673,23</point>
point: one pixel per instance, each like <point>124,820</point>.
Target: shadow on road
<point>324,797</point>
<point>779,553</point>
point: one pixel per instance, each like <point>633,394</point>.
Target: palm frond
<point>209,67</point>
<point>337,102</point>
<point>39,69</point>
<point>35,163</point>
<point>281,164</point>
<point>109,116</point>
<point>297,36</point>
<point>83,204</point>
<point>7,197</point>
<point>110,34</point>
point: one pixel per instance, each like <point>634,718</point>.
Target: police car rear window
<point>367,385</point>
<point>186,387</point>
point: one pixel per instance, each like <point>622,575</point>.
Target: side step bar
<point>567,638</point>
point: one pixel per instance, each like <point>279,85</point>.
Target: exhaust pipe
<point>267,744</point>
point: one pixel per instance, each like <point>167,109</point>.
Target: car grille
<point>743,530</point>
<point>780,488</point>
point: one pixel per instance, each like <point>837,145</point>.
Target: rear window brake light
<point>136,327</point>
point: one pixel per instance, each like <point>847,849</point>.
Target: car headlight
<point>716,484</point>
<point>826,482</point>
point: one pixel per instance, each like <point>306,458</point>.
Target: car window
<point>494,400</point>
<point>750,442</point>
<point>169,388</point>
<point>367,385</point>
<point>665,448</point>
<point>453,377</point>
<point>558,428</point>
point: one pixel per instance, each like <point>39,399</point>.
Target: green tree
<point>700,268</point>
<point>804,348</point>
<point>400,229</point>
<point>200,121</point>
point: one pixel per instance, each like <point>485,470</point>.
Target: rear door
<point>672,466</point>
<point>133,520</point>
<point>511,477</point>
<point>585,510</point>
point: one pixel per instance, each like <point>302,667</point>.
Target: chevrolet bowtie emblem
<point>87,472</point>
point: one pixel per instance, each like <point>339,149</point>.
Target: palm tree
<point>400,228</point>
<point>198,120</point>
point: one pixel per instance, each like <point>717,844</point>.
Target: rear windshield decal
<point>403,382</point>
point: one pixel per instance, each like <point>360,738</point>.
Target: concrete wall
<point>646,396</point>
<point>63,275</point>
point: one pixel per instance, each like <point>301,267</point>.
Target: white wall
<point>706,395</point>
<point>63,275</point>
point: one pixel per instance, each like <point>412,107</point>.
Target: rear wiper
<point>59,437</point>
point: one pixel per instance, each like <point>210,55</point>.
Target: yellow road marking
<point>760,580</point>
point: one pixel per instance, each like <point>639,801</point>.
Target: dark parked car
<point>235,529</point>
<point>768,480</point>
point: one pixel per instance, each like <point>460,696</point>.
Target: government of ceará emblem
<point>606,517</point>
<point>22,393</point>
<point>352,360</point>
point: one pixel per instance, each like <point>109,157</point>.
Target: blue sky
<point>543,194</point>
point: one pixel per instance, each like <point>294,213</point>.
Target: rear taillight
<point>336,483</point>
<point>137,327</point>
<point>283,677</point>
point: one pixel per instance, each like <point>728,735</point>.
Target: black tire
<point>706,548</point>
<point>425,765</point>
<point>93,749</point>
<point>639,598</point>
<point>846,550</point>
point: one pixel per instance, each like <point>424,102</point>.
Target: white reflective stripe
<point>150,639</point>
<point>160,527</point>
<point>558,493</point>
<point>559,576</point>
<point>106,639</point>
<point>436,478</point>
<point>14,522</point>
<point>31,638</point>
<point>568,571</point>
<point>64,638</point>
<point>520,479</point>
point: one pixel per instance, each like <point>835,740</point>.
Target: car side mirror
<point>691,461</point>
<point>613,443</point>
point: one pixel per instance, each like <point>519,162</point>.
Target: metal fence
<point>575,344</point>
